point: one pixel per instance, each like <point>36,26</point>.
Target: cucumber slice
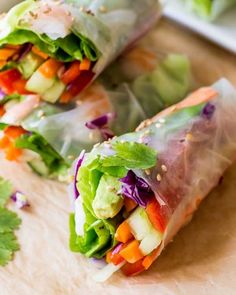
<point>54,93</point>
<point>38,83</point>
<point>29,65</point>
<point>150,242</point>
<point>143,231</point>
<point>38,166</point>
<point>140,224</point>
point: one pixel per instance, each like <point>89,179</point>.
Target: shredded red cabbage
<point>78,165</point>
<point>208,111</point>
<point>26,48</point>
<point>117,248</point>
<point>136,188</point>
<point>101,124</point>
<point>20,200</point>
<point>2,94</point>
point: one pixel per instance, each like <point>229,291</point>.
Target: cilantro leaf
<point>5,256</point>
<point>6,190</point>
<point>9,221</point>
<point>131,155</point>
<point>8,241</point>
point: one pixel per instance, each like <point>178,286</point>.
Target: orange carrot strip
<point>85,64</point>
<point>2,63</point>
<point>50,68</point>
<point>132,253</point>
<point>5,142</point>
<point>6,53</point>
<point>123,233</point>
<point>148,260</point>
<point>11,46</point>
<point>129,204</point>
<point>2,110</point>
<point>66,97</point>
<point>14,132</point>
<point>12,153</point>
<point>202,95</point>
<point>38,52</point>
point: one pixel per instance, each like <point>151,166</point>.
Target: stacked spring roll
<point>50,137</point>
<point>133,193</point>
<point>210,9</point>
<point>54,49</point>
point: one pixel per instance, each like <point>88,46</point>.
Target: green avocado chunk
<point>107,202</point>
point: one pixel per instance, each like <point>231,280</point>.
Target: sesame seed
<point>91,135</point>
<point>40,114</point>
<point>147,171</point>
<point>103,9</point>
<point>162,120</point>
<point>70,157</point>
<point>164,168</point>
<point>189,136</point>
<point>96,145</point>
<point>158,125</point>
<point>159,178</point>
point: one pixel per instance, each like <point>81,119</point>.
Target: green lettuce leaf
<point>36,143</point>
<point>65,49</point>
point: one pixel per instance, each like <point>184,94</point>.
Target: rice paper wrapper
<point>201,259</point>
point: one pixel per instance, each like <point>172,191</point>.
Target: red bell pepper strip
<point>7,78</point>
<point>153,210</point>
<point>77,86</point>
<point>132,269</point>
<point>72,73</point>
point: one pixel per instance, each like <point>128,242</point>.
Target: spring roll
<point>52,136</point>
<point>210,9</point>
<point>56,48</point>
<point>133,193</point>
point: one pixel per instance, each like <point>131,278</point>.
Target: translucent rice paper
<point>196,153</point>
<point>110,25</point>
<point>120,90</point>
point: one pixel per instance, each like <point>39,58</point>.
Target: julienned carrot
<point>202,95</point>
<point>39,52</point>
<point>85,64</point>
<point>12,153</point>
<point>148,260</point>
<point>153,210</point>
<point>66,97</point>
<point>131,253</point>
<point>72,73</point>
<point>6,53</point>
<point>115,258</point>
<point>5,142</point>
<point>132,269</point>
<point>2,63</point>
<point>14,132</point>
<point>129,204</point>
<point>2,110</point>
<point>50,68</point>
<point>123,233</point>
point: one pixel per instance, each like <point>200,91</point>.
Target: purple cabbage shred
<point>208,111</point>
<point>77,167</point>
<point>101,124</point>
<point>136,188</point>
<point>20,200</point>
